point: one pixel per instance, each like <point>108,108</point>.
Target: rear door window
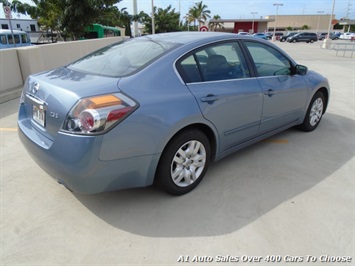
<point>216,62</point>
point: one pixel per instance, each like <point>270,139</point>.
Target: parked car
<point>347,36</point>
<point>13,39</point>
<point>244,33</point>
<point>160,108</point>
<point>308,37</point>
<point>260,35</point>
<point>278,35</point>
<point>324,35</point>
<point>284,37</point>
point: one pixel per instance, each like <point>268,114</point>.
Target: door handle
<point>270,92</point>
<point>209,98</point>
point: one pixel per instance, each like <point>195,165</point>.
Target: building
<point>315,23</point>
<point>28,25</point>
<point>242,25</point>
<point>283,23</point>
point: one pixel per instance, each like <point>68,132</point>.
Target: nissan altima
<point>160,109</point>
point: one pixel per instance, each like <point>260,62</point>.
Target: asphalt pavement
<point>289,199</point>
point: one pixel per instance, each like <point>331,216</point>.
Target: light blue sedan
<point>260,35</point>
<point>160,108</point>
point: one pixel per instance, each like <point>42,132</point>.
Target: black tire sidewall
<point>306,125</point>
<point>163,174</point>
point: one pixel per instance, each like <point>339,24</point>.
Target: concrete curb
<point>10,94</point>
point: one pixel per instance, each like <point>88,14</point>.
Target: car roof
<point>9,31</point>
<point>190,37</point>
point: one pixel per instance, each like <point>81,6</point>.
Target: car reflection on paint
<point>159,109</point>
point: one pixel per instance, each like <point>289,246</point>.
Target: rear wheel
<point>314,113</point>
<point>184,162</point>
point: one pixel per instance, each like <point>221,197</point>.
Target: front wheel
<point>314,113</point>
<point>184,162</point>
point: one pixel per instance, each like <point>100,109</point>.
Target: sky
<point>242,9</point>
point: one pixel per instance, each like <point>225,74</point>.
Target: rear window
<point>122,59</point>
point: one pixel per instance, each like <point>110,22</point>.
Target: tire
<point>294,41</point>
<point>312,41</point>
<point>184,162</point>
<point>314,113</point>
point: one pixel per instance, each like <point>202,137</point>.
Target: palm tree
<point>214,25</point>
<point>198,13</point>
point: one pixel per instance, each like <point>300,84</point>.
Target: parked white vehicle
<point>347,36</point>
<point>16,38</point>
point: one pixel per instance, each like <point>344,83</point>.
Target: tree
<point>305,27</point>
<point>198,13</point>
<point>79,14</point>
<point>165,20</point>
<point>216,25</point>
<point>72,16</point>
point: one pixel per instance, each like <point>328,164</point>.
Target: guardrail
<point>344,47</point>
<point>340,46</point>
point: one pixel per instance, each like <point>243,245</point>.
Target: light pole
<point>319,12</point>
<point>153,22</point>
<point>253,13</point>
<point>277,11</point>
<point>327,41</point>
<point>135,23</point>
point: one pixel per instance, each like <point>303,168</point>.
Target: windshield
<point>122,59</point>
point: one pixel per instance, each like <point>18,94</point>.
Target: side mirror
<point>301,70</point>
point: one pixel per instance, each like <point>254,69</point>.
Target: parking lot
<point>288,199</point>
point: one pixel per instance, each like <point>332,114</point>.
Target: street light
<point>319,12</point>
<point>277,10</point>
<point>253,13</point>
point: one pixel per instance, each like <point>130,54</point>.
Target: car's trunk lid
<point>49,96</point>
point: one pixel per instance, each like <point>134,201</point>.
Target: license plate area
<point>39,115</point>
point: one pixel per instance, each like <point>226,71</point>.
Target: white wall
<point>18,63</point>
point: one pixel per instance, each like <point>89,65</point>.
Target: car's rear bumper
<point>74,162</point>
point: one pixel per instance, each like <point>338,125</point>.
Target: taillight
<point>98,114</point>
